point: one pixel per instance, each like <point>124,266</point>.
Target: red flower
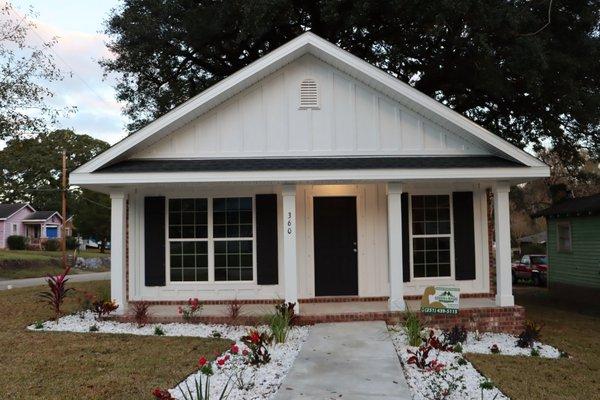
<point>221,362</point>
<point>162,394</point>
<point>245,352</point>
<point>226,357</point>
<point>202,361</point>
<point>180,310</point>
<point>254,337</point>
<point>234,349</point>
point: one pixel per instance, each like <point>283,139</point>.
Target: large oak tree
<point>526,70</point>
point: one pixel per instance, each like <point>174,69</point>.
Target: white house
<point>308,174</point>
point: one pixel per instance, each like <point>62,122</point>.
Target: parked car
<point>532,267</point>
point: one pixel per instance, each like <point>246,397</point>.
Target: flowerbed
<point>244,381</point>
<point>448,375</point>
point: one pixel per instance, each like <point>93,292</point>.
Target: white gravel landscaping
<point>457,370</point>
<point>260,382</point>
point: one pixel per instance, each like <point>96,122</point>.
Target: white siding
<point>352,119</point>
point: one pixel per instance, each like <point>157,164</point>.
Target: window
<point>431,232</point>
<point>15,229</point>
<point>219,226</point>
<point>525,260</point>
<point>188,239</point>
<point>563,233</point>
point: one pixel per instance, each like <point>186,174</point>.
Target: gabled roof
<point>581,206</point>
<point>7,210</point>
<point>42,216</point>
<point>307,43</point>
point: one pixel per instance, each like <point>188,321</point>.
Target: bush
<point>51,245</point>
<point>16,242</point>
<point>458,334</point>
<point>531,334</point>
<point>412,328</point>
<point>71,243</point>
<point>280,325</point>
<point>140,312</point>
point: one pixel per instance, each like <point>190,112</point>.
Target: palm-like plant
<point>57,292</point>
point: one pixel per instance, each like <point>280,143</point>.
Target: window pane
<point>189,261</point>
<point>187,218</point>
<point>233,260</point>
<point>232,217</point>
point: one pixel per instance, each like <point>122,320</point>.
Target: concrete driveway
<point>20,283</point>
<point>348,361</point>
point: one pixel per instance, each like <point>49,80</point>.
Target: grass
<point>35,271</point>
<point>45,255</point>
<point>44,365</point>
<point>574,330</point>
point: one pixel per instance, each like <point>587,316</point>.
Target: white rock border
<point>424,384</point>
<point>262,382</point>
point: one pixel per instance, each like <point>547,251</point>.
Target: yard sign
<point>440,300</point>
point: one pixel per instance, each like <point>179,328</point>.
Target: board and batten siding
<point>581,266</point>
<point>266,120</point>
<point>371,210</point>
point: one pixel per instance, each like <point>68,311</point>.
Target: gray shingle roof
<point>322,163</point>
<point>6,210</point>
<point>587,205</point>
<point>39,215</point>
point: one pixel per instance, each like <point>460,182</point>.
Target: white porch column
<point>504,296</point>
<point>394,202</point>
<point>118,266</point>
<point>290,274</point>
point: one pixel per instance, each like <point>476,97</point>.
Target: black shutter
<point>464,236</point>
<point>266,239</point>
<point>405,240</point>
<point>154,241</point>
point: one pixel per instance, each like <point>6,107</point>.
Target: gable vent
<point>309,94</point>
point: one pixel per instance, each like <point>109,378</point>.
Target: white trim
<point>303,44</point>
<point>353,175</point>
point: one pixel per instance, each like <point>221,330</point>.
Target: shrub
<point>535,352</point>
<point>494,349</point>
<point>94,328</point>
<point>51,245</point>
<point>419,359</point>
<point>57,293</point>
<point>189,311</point>
<point>234,309</point>
<point>412,328</point>
<point>455,335</point>
<point>280,321</point>
<point>257,343</point>
<point>158,331</point>
<point>38,325</point>
<point>71,243</point>
<point>103,308</point>
<point>216,334</point>
<point>140,312</point>
<point>436,343</point>
<point>530,334</point>
<point>462,361</point>
<point>457,348</point>
<point>288,310</point>
<point>16,242</point>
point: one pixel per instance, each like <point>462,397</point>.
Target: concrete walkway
<point>20,283</point>
<point>347,361</point>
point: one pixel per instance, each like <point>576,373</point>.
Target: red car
<point>532,267</point>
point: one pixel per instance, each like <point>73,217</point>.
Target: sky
<point>78,27</point>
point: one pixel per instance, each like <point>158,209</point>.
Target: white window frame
<point>14,228</point>
<point>411,236</point>
<point>210,239</point>
<point>567,224</point>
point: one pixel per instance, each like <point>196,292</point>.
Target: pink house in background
<point>22,219</point>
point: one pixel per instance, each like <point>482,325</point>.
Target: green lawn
<point>19,264</point>
<point>571,329</point>
<point>44,365</point>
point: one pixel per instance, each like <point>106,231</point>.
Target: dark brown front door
<point>336,265</point>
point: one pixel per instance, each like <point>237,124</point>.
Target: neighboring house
<point>574,248</point>
<point>24,220</point>
<point>309,175</point>
<point>532,243</point>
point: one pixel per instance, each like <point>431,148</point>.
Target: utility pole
<point>63,230</point>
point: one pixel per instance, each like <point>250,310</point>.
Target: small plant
<point>455,335</point>
<point>529,335</point>
<point>158,331</point>
<point>535,352</point>
<point>103,308</point>
<point>85,301</point>
<point>140,312</point>
<point>216,334</point>
<point>94,328</point>
<point>442,384</point>
<point>57,293</point>
<point>419,357</point>
<point>461,361</point>
<point>279,321</point>
<point>38,325</point>
<point>234,309</point>
<point>487,385</point>
<point>563,354</point>
<point>412,328</point>
<point>478,336</point>
<point>457,348</point>
<point>288,310</point>
<point>494,349</point>
<point>257,343</point>
<point>190,311</point>
<point>434,342</point>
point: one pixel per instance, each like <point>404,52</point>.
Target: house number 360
<point>289,223</point>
